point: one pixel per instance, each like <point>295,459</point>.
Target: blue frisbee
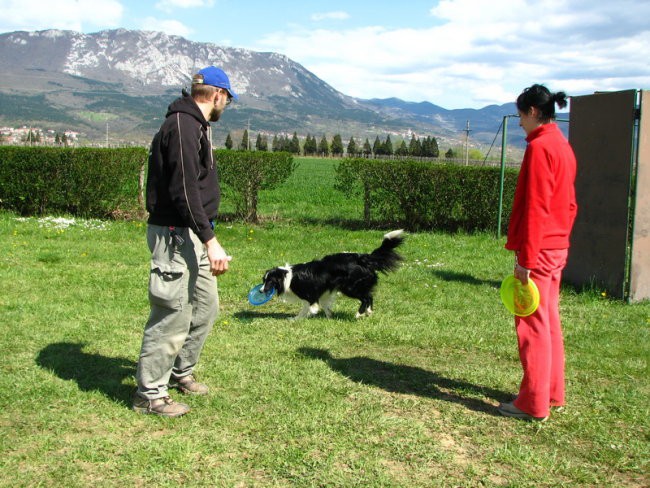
<point>258,297</point>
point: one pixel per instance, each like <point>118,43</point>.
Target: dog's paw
<point>367,313</point>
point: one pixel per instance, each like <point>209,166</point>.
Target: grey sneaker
<point>188,385</point>
<point>509,410</point>
<point>165,407</point>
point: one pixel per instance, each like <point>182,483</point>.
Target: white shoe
<point>509,410</point>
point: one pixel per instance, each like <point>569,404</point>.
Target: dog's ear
<point>270,273</point>
<point>280,275</point>
<point>274,274</point>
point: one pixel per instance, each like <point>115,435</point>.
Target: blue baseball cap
<point>216,77</point>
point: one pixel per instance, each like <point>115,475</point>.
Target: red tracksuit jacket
<point>544,207</point>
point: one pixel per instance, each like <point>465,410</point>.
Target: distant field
<point>308,196</point>
<point>405,398</point>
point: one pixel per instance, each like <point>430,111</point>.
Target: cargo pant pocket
<point>167,285</point>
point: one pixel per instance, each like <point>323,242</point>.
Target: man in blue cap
<point>183,201</point>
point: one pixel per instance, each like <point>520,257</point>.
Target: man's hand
<point>217,256</point>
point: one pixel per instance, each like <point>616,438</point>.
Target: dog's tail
<point>384,258</point>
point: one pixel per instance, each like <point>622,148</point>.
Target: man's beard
<point>215,114</point>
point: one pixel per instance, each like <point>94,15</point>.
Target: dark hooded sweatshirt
<point>182,181</point>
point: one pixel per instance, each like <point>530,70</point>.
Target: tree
<point>323,147</point>
<point>228,141</point>
<point>245,143</point>
<point>430,148</point>
<point>262,143</point>
<point>31,137</point>
<point>402,150</point>
<point>311,147</point>
<point>475,154</point>
<point>280,143</point>
<point>286,144</point>
<point>451,154</point>
<point>435,151</point>
<point>377,148</point>
<point>387,147</point>
<point>352,147</point>
<point>337,145</point>
<point>294,145</point>
<point>367,150</point>
<point>415,149</point>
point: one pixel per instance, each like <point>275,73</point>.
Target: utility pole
<point>467,131</point>
<point>107,133</point>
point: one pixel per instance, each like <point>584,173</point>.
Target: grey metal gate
<point>610,243</point>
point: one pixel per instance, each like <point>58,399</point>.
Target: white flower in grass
<point>63,223</point>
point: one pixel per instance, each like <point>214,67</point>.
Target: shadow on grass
<point>397,378</point>
<point>464,278</point>
<point>248,315</point>
<point>92,372</point>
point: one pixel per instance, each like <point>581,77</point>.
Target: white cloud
<point>59,14</point>
<point>169,6</point>
<point>338,15</point>
<point>472,54</point>
<point>478,53</point>
<point>170,27</point>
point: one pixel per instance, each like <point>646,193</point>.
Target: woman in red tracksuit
<point>543,213</point>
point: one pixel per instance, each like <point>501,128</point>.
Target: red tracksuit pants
<point>541,346</point>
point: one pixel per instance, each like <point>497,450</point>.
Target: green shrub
<point>244,173</point>
<point>78,181</point>
<point>420,195</point>
<point>106,182</point>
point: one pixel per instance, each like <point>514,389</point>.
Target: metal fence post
<point>504,135</point>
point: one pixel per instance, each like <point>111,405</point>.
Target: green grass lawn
<point>405,398</point>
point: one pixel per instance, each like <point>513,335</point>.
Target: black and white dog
<point>316,283</point>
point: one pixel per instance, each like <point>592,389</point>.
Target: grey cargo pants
<point>184,306</point>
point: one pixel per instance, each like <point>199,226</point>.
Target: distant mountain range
<point>118,83</point>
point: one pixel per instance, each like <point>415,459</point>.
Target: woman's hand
<point>521,273</point>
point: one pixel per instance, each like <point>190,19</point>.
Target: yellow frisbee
<point>521,300</point>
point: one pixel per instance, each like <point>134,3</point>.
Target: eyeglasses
<point>228,95</point>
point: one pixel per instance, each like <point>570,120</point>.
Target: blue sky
<point>454,53</point>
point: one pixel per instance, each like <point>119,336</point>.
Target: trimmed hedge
<point>420,195</point>
<point>243,174</point>
<point>102,183</point>
<point>86,182</point>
